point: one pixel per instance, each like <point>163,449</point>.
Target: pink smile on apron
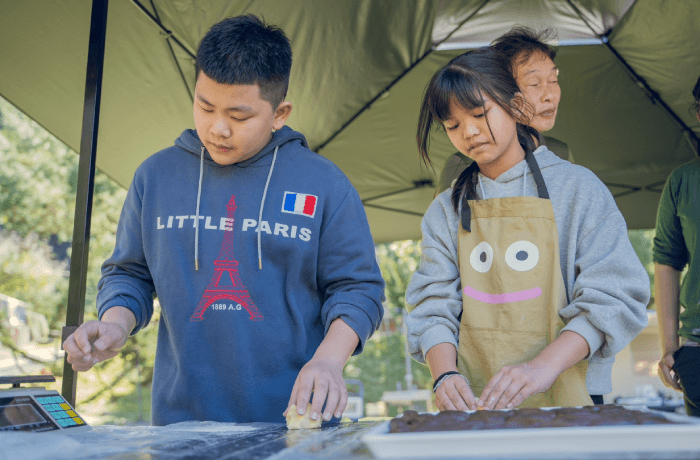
<point>508,297</point>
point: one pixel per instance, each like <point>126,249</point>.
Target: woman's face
<point>539,85</point>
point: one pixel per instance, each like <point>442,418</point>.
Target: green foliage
<point>38,179</point>
<point>381,366</point>
<point>38,184</point>
<point>397,262</point>
<point>28,272</point>
<point>642,242</point>
<point>382,363</point>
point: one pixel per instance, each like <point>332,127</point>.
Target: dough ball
<point>300,422</point>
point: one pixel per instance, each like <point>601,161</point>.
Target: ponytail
<point>529,138</point>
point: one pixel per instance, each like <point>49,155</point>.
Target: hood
<point>189,141</point>
<point>545,159</point>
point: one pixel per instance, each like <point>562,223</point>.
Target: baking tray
<point>540,442</point>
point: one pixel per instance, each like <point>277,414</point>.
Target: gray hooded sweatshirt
<point>607,287</point>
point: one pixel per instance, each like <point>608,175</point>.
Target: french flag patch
<point>299,203</point>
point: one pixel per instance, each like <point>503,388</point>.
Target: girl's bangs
<point>457,84</point>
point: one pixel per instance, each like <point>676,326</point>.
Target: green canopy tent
<point>360,66</point>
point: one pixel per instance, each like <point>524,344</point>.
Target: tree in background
<point>382,364</point>
<point>38,184</point>
<point>642,242</point>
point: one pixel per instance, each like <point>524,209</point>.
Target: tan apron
<point>512,291</point>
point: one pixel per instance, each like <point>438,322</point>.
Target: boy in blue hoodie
<point>258,250</point>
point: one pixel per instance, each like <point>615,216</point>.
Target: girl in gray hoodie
<point>528,285</point>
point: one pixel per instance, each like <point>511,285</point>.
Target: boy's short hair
<point>521,42</point>
<point>696,95</point>
<point>244,50</point>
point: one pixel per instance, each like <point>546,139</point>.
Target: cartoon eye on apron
<point>481,257</point>
<point>522,256</point>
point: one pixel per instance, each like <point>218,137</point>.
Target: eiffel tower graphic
<point>226,263</point>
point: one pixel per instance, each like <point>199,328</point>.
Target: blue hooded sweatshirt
<point>283,248</point>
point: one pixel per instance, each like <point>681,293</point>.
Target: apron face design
<point>512,292</point>
<point>521,256</point>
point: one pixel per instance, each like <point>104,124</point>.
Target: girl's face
<point>470,134</point>
<point>537,79</point>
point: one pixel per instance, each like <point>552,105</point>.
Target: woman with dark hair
<point>531,61</point>
<point>528,285</point>
<point>676,245</point>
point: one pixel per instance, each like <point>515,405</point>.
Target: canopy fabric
<point>582,21</point>
<point>360,67</point>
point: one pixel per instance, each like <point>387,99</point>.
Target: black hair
<point>521,42</point>
<point>467,79</point>
<point>243,51</point>
<point>696,95</point>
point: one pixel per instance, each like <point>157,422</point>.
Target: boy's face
<point>233,121</point>
<point>537,78</point>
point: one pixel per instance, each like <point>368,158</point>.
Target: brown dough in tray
<point>411,421</point>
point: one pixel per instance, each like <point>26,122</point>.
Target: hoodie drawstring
<point>196,222</point>
<point>483,194</point>
<point>262,205</point>
<point>199,197</point>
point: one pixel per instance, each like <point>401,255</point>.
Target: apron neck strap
<point>473,170</point>
<point>537,175</point>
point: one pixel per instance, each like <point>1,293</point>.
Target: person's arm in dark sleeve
<point>348,273</point>
<point>669,244</point>
<point>670,257</point>
<point>126,280</point>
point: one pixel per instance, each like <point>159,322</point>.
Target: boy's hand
<point>324,378</point>
<point>512,384</point>
<point>323,374</point>
<point>97,341</point>
<point>94,342</point>
<point>454,394</point>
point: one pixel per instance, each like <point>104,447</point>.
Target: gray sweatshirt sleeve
<point>434,295</point>
<point>609,289</point>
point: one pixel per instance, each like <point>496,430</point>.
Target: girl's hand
<point>666,373</point>
<point>454,394</point>
<point>512,384</point>
<point>323,378</point>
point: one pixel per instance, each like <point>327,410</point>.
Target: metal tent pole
<point>86,185</point>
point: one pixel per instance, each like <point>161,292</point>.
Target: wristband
<point>444,376</point>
